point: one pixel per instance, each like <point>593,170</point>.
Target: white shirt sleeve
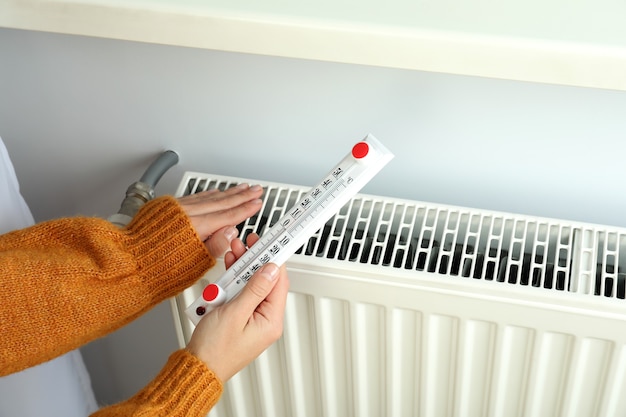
<point>60,387</point>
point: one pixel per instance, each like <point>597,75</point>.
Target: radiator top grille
<point>450,241</point>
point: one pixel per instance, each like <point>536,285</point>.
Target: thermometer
<point>299,223</point>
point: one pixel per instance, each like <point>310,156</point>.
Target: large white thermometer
<point>302,220</point>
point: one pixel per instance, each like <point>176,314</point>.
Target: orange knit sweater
<point>69,281</point>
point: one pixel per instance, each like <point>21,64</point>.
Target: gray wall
<point>83,117</point>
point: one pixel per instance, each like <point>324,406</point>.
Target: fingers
<point>256,290</point>
<point>278,296</point>
<point>252,239</point>
<point>221,240</point>
<point>207,223</point>
<point>205,194</point>
<point>210,211</point>
<point>237,249</point>
<point>212,200</point>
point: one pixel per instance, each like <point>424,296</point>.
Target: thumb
<point>258,288</point>
<point>219,242</point>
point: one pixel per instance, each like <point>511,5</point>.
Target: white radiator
<point>404,308</point>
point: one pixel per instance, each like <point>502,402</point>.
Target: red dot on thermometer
<point>211,292</point>
<point>360,150</point>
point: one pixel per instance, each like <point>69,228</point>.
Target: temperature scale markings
<point>312,206</point>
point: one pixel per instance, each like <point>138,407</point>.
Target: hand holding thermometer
<point>302,220</point>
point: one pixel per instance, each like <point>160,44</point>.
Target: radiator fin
<point>452,241</point>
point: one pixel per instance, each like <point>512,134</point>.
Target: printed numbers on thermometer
<point>302,220</point>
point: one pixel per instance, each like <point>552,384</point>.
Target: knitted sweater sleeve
<point>184,388</point>
<point>66,282</point>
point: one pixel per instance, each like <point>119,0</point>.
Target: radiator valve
<point>137,194</point>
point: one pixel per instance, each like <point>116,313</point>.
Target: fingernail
<point>256,188</point>
<point>231,233</point>
<point>243,186</point>
<point>270,272</point>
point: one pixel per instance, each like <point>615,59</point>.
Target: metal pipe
<point>156,170</point>
<point>142,191</point>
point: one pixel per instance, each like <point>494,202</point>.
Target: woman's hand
<point>234,334</point>
<point>214,213</point>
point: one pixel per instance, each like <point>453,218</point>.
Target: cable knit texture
<point>69,281</point>
<point>184,379</point>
